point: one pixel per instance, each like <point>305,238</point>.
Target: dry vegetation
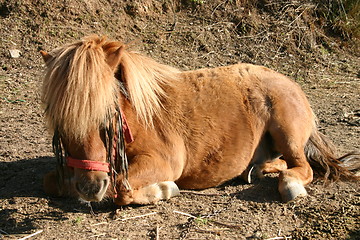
<point>315,42</point>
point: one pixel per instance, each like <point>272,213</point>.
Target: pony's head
<point>82,98</point>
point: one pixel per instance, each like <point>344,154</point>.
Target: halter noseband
<point>97,165</point>
<point>115,139</point>
<point>87,164</point>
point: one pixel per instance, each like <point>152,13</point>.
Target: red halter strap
<point>88,164</point>
<point>96,165</point>
<point>126,129</point>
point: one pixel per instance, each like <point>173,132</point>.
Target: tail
<point>320,154</point>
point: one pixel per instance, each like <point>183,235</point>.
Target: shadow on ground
<point>24,178</point>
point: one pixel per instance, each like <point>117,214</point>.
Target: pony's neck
<point>146,82</point>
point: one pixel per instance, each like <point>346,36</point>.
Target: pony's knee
<point>148,195</point>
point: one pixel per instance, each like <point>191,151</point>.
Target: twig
<point>2,231</point>
<point>297,17</point>
<point>201,193</point>
<point>173,25</point>
<point>100,223</point>
<point>139,216</point>
<point>213,221</point>
<point>157,232</point>
<point>217,7</point>
<point>185,214</point>
<point>31,235</point>
<point>278,238</point>
<point>91,209</point>
<point>97,235</point>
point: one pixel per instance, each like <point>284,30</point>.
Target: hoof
<point>168,189</point>
<point>150,194</point>
<point>291,190</point>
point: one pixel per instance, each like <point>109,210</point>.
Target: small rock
<point>14,53</point>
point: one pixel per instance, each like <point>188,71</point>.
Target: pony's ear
<point>114,58</point>
<point>47,57</point>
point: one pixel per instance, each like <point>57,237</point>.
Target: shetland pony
<point>132,129</point>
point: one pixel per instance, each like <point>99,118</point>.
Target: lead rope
<point>58,151</point>
<point>109,137</point>
<point>120,143</point>
<point>116,155</point>
<point>120,152</point>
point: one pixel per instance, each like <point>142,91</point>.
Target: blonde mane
<point>80,88</point>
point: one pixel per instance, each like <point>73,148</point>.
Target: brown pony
<point>132,129</point>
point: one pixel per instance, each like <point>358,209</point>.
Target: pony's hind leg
<point>290,131</point>
<point>298,173</point>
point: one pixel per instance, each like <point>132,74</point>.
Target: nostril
<point>92,189</point>
<point>88,189</point>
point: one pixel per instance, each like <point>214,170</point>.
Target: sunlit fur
<point>196,129</point>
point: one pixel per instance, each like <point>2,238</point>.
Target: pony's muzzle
<point>92,185</point>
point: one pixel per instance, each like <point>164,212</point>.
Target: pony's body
<point>197,128</point>
<point>215,120</point>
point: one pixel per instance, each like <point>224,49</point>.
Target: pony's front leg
<point>56,188</point>
<point>150,180</point>
<point>149,194</point>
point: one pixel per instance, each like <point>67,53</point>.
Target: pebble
<point>15,53</point>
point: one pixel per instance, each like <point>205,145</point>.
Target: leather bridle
<point>117,132</point>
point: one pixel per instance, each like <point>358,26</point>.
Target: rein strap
<point>95,165</point>
<point>126,129</point>
<point>88,164</point>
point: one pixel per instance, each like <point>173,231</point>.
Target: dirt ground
<point>287,36</point>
